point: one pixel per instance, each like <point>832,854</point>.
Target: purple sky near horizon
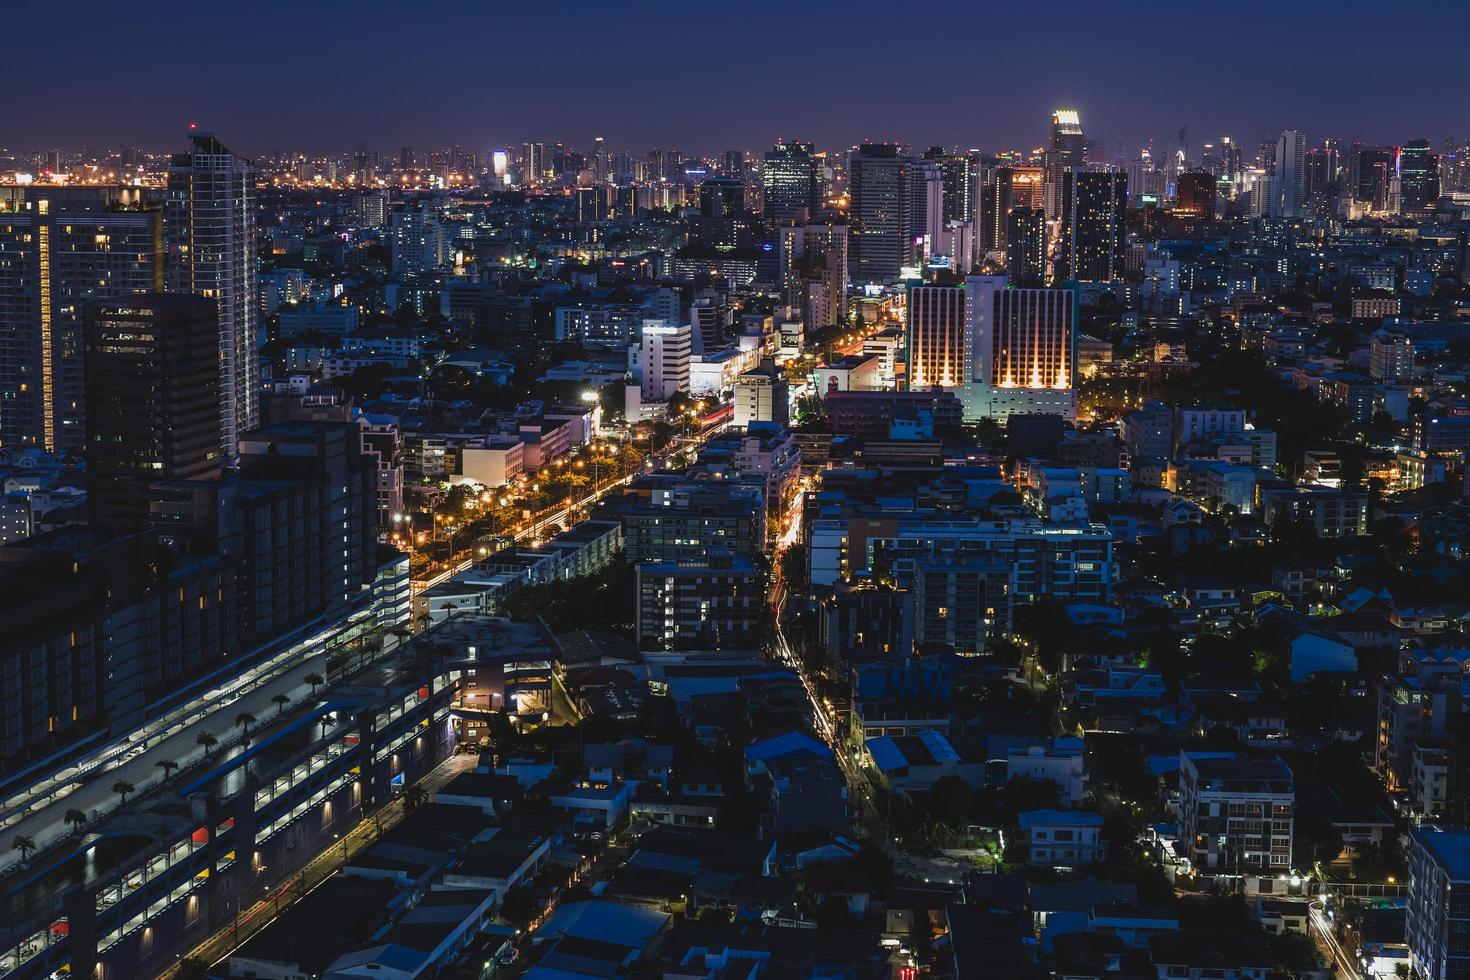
<point>324,77</point>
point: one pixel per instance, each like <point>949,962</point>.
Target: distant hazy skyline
<point>323,78</point>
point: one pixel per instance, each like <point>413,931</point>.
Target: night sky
<point>270,76</point>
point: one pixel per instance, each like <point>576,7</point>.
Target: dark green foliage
<point>604,601</point>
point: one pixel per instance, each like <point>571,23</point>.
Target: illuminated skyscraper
<point>1068,150</point>
<point>210,225</point>
<point>792,183</point>
<point>1230,161</point>
<point>881,237</point>
<point>665,359</point>
<point>1093,234</point>
<point>936,337</point>
<point>59,248</point>
<point>534,165</point>
<point>1022,345</point>
<point>419,243</point>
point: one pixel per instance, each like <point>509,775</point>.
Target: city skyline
<point>546,79</point>
<point>887,491</point>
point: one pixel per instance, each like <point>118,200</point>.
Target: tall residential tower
<point>210,218</point>
<point>59,248</point>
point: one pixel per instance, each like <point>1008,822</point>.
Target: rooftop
<point>1450,849</point>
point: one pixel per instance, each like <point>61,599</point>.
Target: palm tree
<point>75,818</point>
<point>315,680</point>
<point>243,721</point>
<point>414,797</point>
<point>168,766</point>
<point>25,846</point>
<point>280,701</point>
<point>208,741</point>
<point>122,788</point>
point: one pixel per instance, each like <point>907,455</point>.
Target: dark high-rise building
<point>793,183</point>
<point>1001,189</point>
<point>812,269</point>
<point>734,164</point>
<point>59,248</point>
<point>1026,247</point>
<point>1372,172</point>
<point>1418,176</point>
<point>1093,236</point>
<point>996,196</point>
<point>302,522</point>
<point>1068,150</point>
<point>1194,194</point>
<point>153,408</point>
<point>881,215</point>
<point>722,220</point>
<point>1322,165</point>
<point>721,197</point>
<point>210,224</point>
<point>926,206</point>
<point>1288,178</point>
<point>959,171</point>
<point>591,204</point>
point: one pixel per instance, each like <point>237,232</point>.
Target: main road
<point>38,811</point>
<point>560,516</point>
<point>1326,938</point>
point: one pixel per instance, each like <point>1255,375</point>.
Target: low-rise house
<point>1095,687</point>
<point>1279,916</point>
<point>1062,837</point>
<point>653,806</point>
<point>1314,651</point>
<point>1209,955</point>
<point>1061,761</point>
<point>593,807</point>
<point>916,762</point>
<point>1132,923</point>
<point>633,760</point>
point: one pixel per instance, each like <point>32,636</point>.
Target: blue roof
<point>792,743</point>
<point>888,754</point>
<point>604,921</point>
<point>885,753</point>
<point>1450,849</point>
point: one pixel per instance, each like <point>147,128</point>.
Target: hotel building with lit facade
<point>1005,351</point>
